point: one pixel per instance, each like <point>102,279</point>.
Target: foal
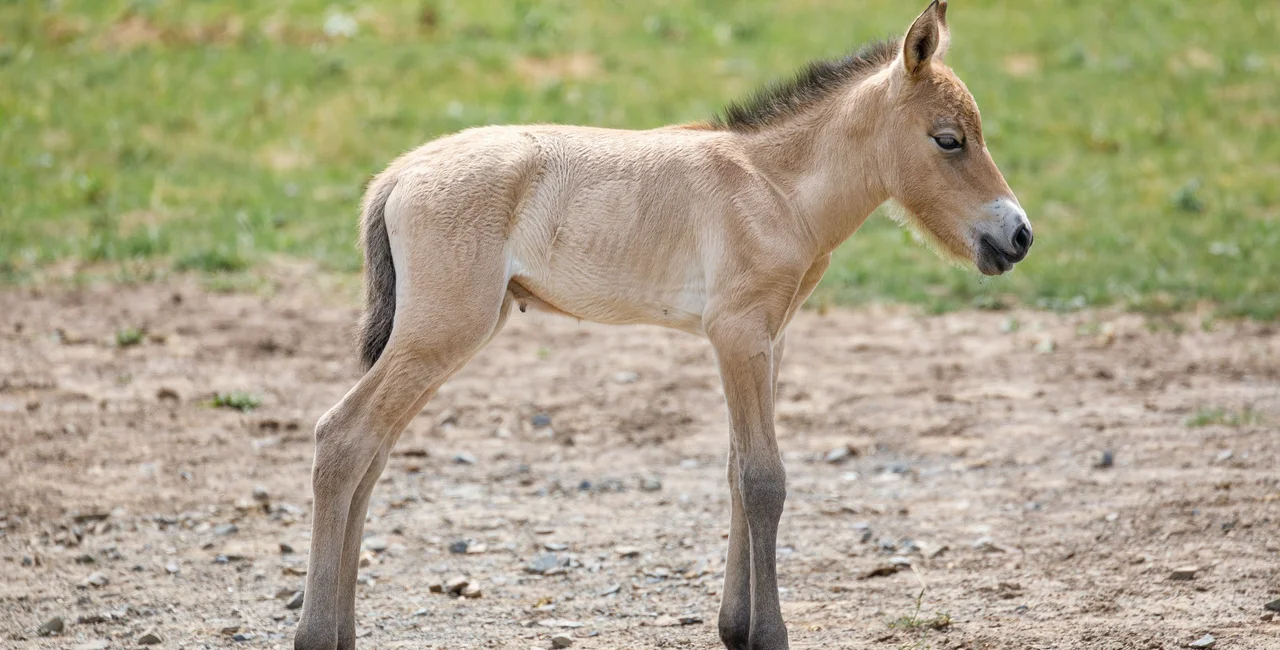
<point>718,229</point>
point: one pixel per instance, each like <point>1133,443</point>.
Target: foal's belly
<point>612,291</point>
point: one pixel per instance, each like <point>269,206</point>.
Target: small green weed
<point>917,626</point>
<point>238,400</point>
<point>129,336</point>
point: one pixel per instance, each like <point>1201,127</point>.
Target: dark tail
<point>379,274</point>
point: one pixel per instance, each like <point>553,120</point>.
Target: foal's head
<point>939,168</point>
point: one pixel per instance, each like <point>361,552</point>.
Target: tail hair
<point>374,329</point>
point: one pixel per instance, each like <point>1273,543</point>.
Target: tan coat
<point>721,230</point>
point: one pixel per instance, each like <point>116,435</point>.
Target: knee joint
<point>765,489</point>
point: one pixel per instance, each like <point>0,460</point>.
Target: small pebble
<point>225,529</point>
<point>95,579</point>
<point>1105,460</point>
<point>543,563</point>
<point>456,584</point>
<point>1273,606</point>
<point>464,458</point>
<point>1184,573</point>
<point>627,551</point>
<point>651,484</point>
<point>149,638</point>
<point>541,420</point>
<point>243,636</point>
<point>375,544</point>
<point>296,601</point>
<point>51,626</point>
<point>260,494</point>
<point>458,546</point>
<point>1206,641</point>
<point>987,545</point>
<point>625,377</point>
<point>838,455</point>
<point>561,641</point>
<point>285,549</point>
<point>471,591</point>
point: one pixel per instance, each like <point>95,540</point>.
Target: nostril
<point>1022,239</point>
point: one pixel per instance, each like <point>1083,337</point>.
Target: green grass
<point>129,336</point>
<point>1143,138</point>
<point>1207,417</point>
<point>238,400</point>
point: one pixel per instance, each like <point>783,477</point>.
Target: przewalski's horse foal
<point>721,230</point>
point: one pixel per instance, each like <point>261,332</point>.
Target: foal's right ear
<point>925,37</point>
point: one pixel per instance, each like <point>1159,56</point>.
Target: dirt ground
<point>975,455</point>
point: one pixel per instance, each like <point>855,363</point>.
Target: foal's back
<point>606,225</point>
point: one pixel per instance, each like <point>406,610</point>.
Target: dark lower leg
<point>764,493</point>
<point>735,602</point>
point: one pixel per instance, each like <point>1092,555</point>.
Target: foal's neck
<point>827,162</point>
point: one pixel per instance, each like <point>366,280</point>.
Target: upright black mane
<point>815,82</point>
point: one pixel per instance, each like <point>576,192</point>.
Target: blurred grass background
<point>138,138</point>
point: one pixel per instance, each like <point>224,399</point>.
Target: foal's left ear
<point>927,38</point>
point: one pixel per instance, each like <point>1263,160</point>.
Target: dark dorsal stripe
<point>815,82</point>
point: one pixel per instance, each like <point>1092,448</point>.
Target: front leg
<point>735,602</point>
<point>745,354</point>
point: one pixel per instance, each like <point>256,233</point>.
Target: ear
<point>944,32</point>
<point>927,37</point>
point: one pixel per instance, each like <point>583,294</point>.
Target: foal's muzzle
<point>1004,238</point>
<point>995,258</point>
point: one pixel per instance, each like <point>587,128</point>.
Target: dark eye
<point>947,142</point>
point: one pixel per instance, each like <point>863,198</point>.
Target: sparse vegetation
<point>917,626</point>
<point>129,336</point>
<point>1216,416</point>
<point>207,136</point>
<point>238,400</point>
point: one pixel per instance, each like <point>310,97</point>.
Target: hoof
<point>307,640</point>
<point>735,639</point>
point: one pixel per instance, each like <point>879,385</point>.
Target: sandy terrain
<point>975,442</point>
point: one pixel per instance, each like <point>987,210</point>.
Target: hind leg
<point>449,312</point>
<point>360,505</point>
